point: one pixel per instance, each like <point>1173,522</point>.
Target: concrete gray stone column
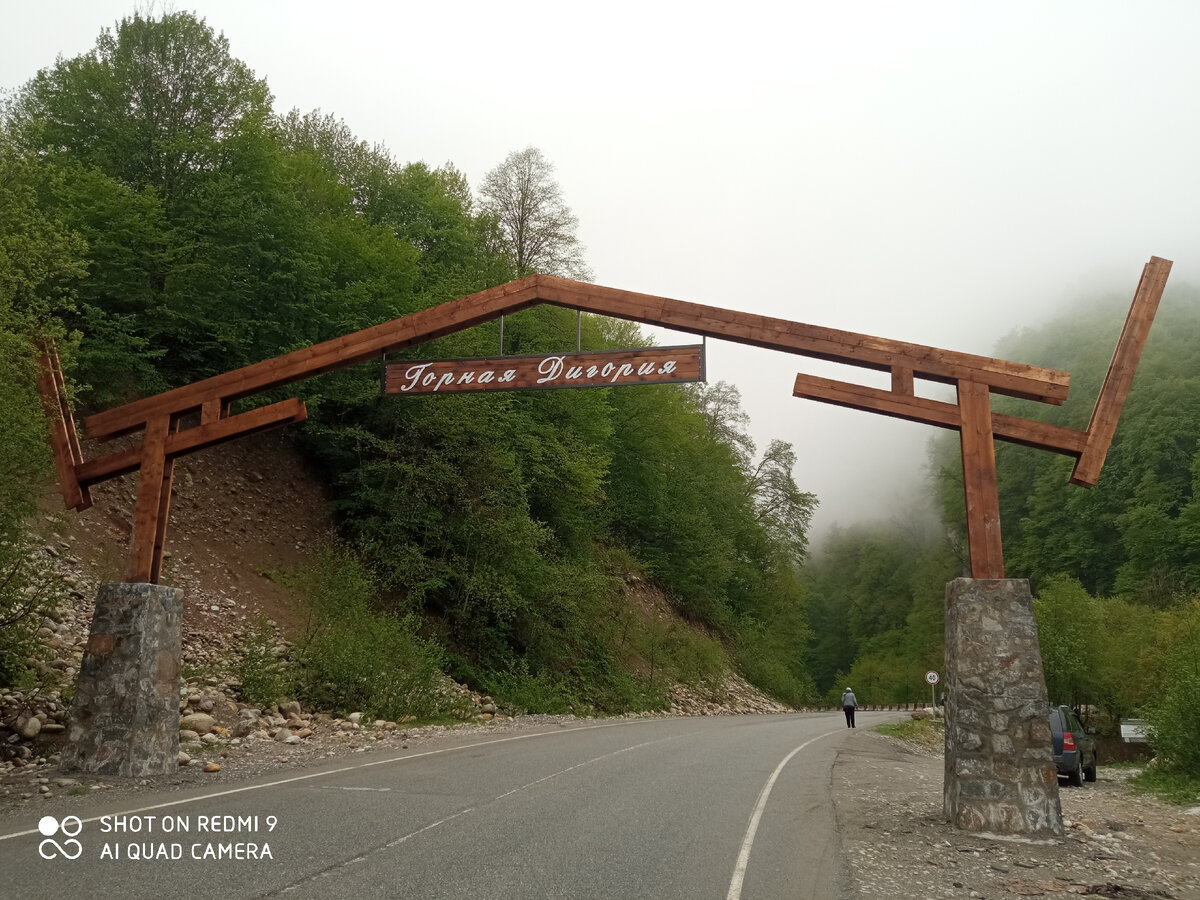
<point>125,713</point>
<point>1000,775</point>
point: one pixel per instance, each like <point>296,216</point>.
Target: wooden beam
<point>1103,424</point>
<point>1016,379</point>
<point>140,564</point>
<point>285,412</point>
<point>979,481</point>
<point>931,363</point>
<point>306,362</point>
<point>264,418</point>
<point>1026,432</point>
<point>64,440</point>
<point>164,512</point>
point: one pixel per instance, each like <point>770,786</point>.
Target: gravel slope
<point>1118,843</point>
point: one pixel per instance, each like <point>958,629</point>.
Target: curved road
<point>732,807</point>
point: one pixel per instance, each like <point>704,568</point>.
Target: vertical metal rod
<point>578,330</point>
<point>502,335</point>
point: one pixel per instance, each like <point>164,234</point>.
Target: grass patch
<point>928,733</point>
<point>264,676</point>
<point>1171,787</point>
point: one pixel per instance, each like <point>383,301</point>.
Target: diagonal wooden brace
<point>64,440</point>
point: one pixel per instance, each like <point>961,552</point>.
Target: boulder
<point>199,722</point>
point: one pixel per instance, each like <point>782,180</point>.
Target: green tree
<point>1067,618</point>
<point>536,229</point>
<point>1171,710</point>
<point>40,261</point>
<point>153,105</point>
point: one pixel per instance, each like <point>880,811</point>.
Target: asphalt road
<point>734,807</point>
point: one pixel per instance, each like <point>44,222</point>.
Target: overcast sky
<point>941,173</point>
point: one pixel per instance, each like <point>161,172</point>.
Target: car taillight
<point>1068,741</point>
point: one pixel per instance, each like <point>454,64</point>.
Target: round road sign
<point>931,677</point>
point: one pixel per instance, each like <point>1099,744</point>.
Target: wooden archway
<point>975,378</point>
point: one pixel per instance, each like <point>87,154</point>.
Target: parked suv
<point>1074,746</point>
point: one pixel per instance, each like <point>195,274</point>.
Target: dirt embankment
<point>246,517</point>
<point>245,520</point>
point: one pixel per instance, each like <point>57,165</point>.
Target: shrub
<point>523,691</point>
<point>29,591</point>
<point>1174,723</point>
<point>265,677</point>
<point>358,658</point>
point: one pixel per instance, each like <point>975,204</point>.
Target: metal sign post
<point>932,677</point>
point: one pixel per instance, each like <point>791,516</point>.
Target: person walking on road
<point>848,705</point>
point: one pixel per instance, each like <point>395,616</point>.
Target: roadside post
<point>932,677</point>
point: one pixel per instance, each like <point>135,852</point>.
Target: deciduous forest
<point>164,222</point>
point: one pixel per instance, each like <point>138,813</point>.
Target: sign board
<point>931,677</point>
<point>1133,731</point>
<point>646,365</point>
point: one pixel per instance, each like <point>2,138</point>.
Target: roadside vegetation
<point>164,223</point>
<point>929,733</point>
<point>1115,571</point>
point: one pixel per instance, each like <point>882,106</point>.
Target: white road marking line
<point>309,879</point>
<point>366,765</point>
<point>743,860</point>
<point>587,762</point>
<point>304,883</point>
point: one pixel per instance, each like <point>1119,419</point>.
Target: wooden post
<point>164,509</point>
<point>149,523</point>
<point>979,481</point>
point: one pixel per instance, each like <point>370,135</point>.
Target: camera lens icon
<point>70,826</point>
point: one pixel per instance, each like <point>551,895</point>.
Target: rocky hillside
<point>245,517</point>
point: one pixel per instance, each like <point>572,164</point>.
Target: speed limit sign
<point>931,677</point>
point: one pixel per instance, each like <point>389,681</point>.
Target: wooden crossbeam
<point>1012,429</point>
<point>319,358</point>
<point>189,440</point>
<point>975,378</point>
<point>946,366</point>
<point>864,351</point>
<point>978,426</point>
<point>163,442</point>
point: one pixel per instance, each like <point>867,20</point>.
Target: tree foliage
<point>157,208</point>
<point>1115,570</point>
<point>536,230</point>
<point>40,262</point>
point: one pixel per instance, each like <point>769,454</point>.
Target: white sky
<point>941,173</point>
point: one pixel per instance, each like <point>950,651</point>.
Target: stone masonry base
<point>1000,775</point>
<point>125,714</point>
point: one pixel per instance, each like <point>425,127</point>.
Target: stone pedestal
<point>1000,775</point>
<point>125,714</point>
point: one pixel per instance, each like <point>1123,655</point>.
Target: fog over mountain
<point>940,173</point>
